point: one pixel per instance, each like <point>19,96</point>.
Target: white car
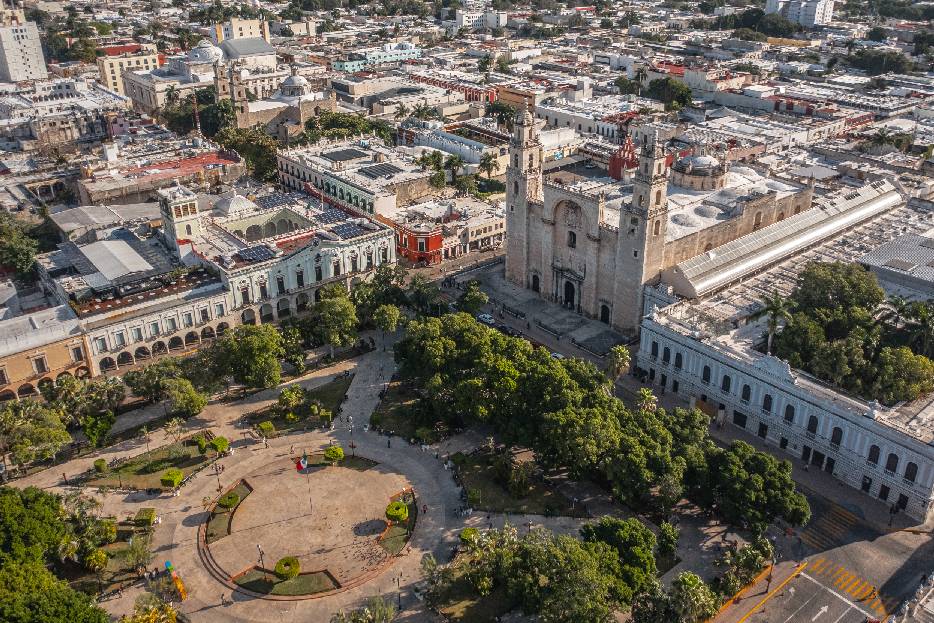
<point>486,319</point>
<point>557,356</point>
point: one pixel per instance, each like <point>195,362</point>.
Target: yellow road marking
<point>842,579</point>
<point>860,584</point>
<point>851,583</point>
<point>793,575</point>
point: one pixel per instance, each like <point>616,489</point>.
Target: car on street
<point>507,330</point>
<point>486,319</point>
<point>557,356</point>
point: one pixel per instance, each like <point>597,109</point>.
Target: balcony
<point>810,435</point>
<point>834,446</point>
<point>872,464</point>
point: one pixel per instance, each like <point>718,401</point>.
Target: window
<point>873,455</point>
<point>4,379</point>
<point>767,403</point>
<point>666,355</point>
<point>783,443</point>
<point>421,245</point>
<point>318,275</point>
<point>883,492</point>
<point>218,310</point>
<point>678,361</point>
<point>101,344</point>
<point>137,333</point>
<point>658,225</point>
<point>188,319</point>
<point>171,325</point>
<point>263,291</point>
<point>812,423</point>
<point>337,267</point>
<point>300,279</point>
<point>572,239</point>
<point>77,353</point>
<point>789,413</point>
<point>280,284</point>
<point>739,419</point>
<point>654,349</point>
<point>891,463</point>
<point>153,329</point>
<point>836,437</point>
<point>205,316</point>
<point>725,383</point>
<point>911,472</point>
<point>119,339</point>
<point>746,393</point>
<point>705,377</point>
<point>763,431</point>
<point>39,365</point>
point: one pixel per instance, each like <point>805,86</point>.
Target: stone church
<point>593,244</point>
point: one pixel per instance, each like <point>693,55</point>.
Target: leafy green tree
<point>387,318</point>
<point>337,320</point>
<point>17,248</point>
<point>617,361</point>
<point>676,95</point>
<point>377,610</point>
<point>633,543</point>
<point>67,394</point>
<point>104,394</point>
<point>291,397</point>
<point>96,426</point>
<point>334,454</point>
<point>691,599</point>
<point>668,535</point>
<point>29,593</point>
<point>472,299</point>
<point>257,148</point>
<point>184,400</point>
<point>251,355</point>
<point>294,348</point>
<point>776,309</point>
<point>149,381</point>
<point>32,526</point>
<point>139,553</point>
<point>31,431</point>
<point>489,163</point>
<point>454,164</point>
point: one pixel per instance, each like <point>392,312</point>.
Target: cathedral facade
<point>592,245</point>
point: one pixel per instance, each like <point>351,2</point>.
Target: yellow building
<point>117,59</point>
<point>236,28</point>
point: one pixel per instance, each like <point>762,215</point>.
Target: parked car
<point>507,330</point>
<point>486,319</point>
<point>557,356</point>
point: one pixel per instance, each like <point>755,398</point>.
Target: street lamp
<point>398,582</point>
<point>261,562</point>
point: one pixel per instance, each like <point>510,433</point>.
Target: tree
<point>334,454</point>
<point>921,333</point>
<point>149,381</point>
<point>454,163</point>
<point>104,394</point>
<point>473,298</point>
<point>402,111</point>
<point>184,400</point>
<point>777,309</point>
<point>337,321</point>
<point>691,599</point>
<point>251,354</point>
<point>633,543</point>
<point>668,536</point>
<point>66,394</point>
<point>877,33</point>
<point>139,553</point>
<point>483,65</point>
<point>256,147</point>
<point>488,164</point>
<point>437,180</point>
<point>31,525</point>
<point>387,318</point>
<point>96,425</point>
<point>31,431</point>
<point>17,248</point>
<point>151,609</point>
<point>175,428</point>
<point>29,593</point>
<point>646,400</point>
<point>503,113</point>
<point>291,397</point>
<point>895,310</point>
<point>617,361</point>
<point>676,95</point>
<point>377,610</point>
<point>294,348</point>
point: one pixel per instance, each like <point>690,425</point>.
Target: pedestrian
<point>292,447</point>
<point>424,509</point>
<point>388,442</point>
<point>265,442</point>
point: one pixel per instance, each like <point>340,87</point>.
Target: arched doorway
<point>605,314</point>
<point>265,313</point>
<point>108,363</point>
<point>159,348</point>
<point>207,333</point>
<point>142,353</point>
<point>46,382</point>
<point>176,343</point>
<point>62,375</point>
<point>124,359</point>
<point>222,328</point>
<point>7,395</point>
<point>248,316</point>
<point>536,285</point>
<point>83,372</point>
<point>301,302</point>
<point>191,338</point>
<point>569,299</point>
<point>283,308</point>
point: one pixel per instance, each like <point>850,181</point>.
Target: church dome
<point>205,52</point>
<point>698,164</point>
<point>295,81</point>
<point>234,205</point>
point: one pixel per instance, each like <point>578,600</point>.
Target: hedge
<point>334,454</point>
<point>145,517</point>
<point>266,428</point>
<point>202,444</point>
<point>220,444</point>
<point>287,568</point>
<point>229,500</point>
<point>100,466</point>
<point>172,477</point>
<point>397,512</point>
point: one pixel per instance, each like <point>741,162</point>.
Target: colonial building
<point>592,244</point>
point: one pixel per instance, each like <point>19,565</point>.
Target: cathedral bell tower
<point>643,223</point>
<point>523,185</point>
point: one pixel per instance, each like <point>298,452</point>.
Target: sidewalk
<point>753,598</point>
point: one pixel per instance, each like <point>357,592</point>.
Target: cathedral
<point>593,244</point>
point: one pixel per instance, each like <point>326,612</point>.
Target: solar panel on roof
<point>343,155</point>
<point>900,264</point>
<point>348,230</point>
<point>380,170</point>
<point>259,253</point>
<point>332,215</point>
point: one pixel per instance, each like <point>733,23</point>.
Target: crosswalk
<point>851,586</point>
<point>829,530</point>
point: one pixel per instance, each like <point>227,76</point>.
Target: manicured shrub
<point>287,568</point>
<point>266,428</point>
<point>202,444</point>
<point>220,444</point>
<point>397,512</point>
<point>145,517</point>
<point>101,467</point>
<point>469,536</point>
<point>229,500</point>
<point>334,454</point>
<point>172,477</point>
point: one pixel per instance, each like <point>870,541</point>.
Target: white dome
<point>707,211</point>
<point>235,204</point>
<point>295,81</point>
<point>685,220</point>
<point>205,52</point>
<point>701,162</point>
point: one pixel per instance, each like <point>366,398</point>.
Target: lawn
<point>219,524</point>
<point>359,463</point>
<point>394,414</point>
<point>303,584</point>
<point>477,473</point>
<point>143,471</point>
<point>463,604</point>
<point>395,538</point>
<point>330,395</point>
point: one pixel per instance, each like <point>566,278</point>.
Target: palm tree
<point>171,95</point>
<point>454,163</point>
<point>641,74</point>
<point>617,361</point>
<point>882,137</point>
<point>776,308</point>
<point>423,111</point>
<point>922,332</point>
<point>488,164</point>
<point>402,111</point>
<point>896,309</point>
<point>646,400</point>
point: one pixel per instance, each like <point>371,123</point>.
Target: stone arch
<point>265,313</point>
<point>284,308</point>
<point>254,232</point>
<point>318,296</point>
<point>536,284</point>
<point>142,353</point>
<point>26,389</point>
<point>605,314</point>
<point>222,328</point>
<point>207,333</point>
<point>757,222</point>
<point>45,382</point>
<point>176,343</point>
<point>108,363</point>
<point>269,230</point>
<point>63,375</point>
<point>125,359</point>
<point>191,338</point>
<point>572,215</point>
<point>282,226</point>
<point>159,348</point>
<point>7,395</point>
<point>239,234</point>
<point>248,316</point>
<point>570,292</point>
<point>301,302</point>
